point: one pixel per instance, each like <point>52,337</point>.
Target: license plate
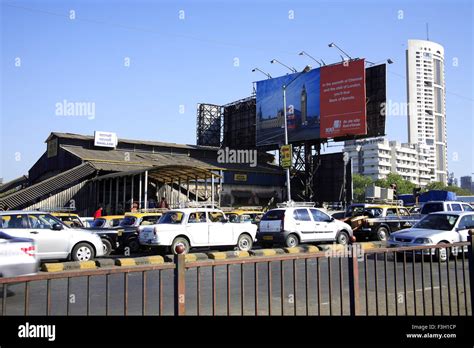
<point>267,237</point>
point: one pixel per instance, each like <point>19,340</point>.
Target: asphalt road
<point>414,291</point>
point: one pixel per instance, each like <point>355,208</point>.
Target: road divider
<point>146,260</point>
<point>68,266</point>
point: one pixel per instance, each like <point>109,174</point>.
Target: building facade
<point>378,157</point>
<point>466,183</point>
<point>427,103</point>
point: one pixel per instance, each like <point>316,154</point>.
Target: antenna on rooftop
<point>427,32</point>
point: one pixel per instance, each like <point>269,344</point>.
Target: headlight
<point>423,241</point>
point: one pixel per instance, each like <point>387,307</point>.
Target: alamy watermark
<point>346,251</point>
<point>226,155</point>
<point>70,108</point>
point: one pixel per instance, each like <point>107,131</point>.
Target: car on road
<point>53,239</point>
<point>109,236</point>
<point>293,225</point>
<point>434,206</point>
<point>130,225</point>
<point>245,214</point>
<point>197,227</point>
<point>17,256</point>
<point>379,221</point>
<point>436,228</point>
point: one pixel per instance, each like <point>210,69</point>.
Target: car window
<point>403,212</point>
<point>150,220</point>
<point>276,214</point>
<point>233,217</point>
<point>14,221</point>
<point>319,215</point>
<point>391,212</point>
<point>467,207</point>
<point>216,216</point>
<point>431,208</point>
<point>466,222</point>
<point>172,217</point>
<point>128,221</point>
<point>197,217</point>
<point>246,218</point>
<point>456,207</point>
<point>42,221</point>
<point>442,222</point>
<point>373,212</point>
<point>115,222</point>
<point>98,223</point>
<point>301,215</point>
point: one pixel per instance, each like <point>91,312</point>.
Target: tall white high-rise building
<point>427,103</point>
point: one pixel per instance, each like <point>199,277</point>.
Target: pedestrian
<point>164,203</point>
<point>98,213</point>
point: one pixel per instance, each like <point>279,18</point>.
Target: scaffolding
<point>209,125</point>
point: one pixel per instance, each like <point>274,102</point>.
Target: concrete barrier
<point>68,266</point>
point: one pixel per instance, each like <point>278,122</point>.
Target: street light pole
<point>288,186</point>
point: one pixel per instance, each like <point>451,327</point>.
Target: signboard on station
<point>286,156</point>
<point>105,139</point>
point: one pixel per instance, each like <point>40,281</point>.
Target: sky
<point>143,66</point>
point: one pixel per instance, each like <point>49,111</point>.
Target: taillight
<point>30,251</point>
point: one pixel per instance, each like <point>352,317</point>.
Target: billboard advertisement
<point>327,102</point>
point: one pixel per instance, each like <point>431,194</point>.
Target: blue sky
<point>205,57</point>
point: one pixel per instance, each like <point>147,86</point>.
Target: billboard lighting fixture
<point>263,72</point>
<point>303,53</point>
<point>389,61</point>
<point>273,61</point>
<point>332,44</point>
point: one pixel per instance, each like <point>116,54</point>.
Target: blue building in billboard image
<point>302,99</point>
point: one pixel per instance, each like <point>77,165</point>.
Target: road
<point>306,297</point>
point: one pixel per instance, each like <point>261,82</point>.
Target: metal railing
<point>384,281</point>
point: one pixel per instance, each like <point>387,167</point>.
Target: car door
<point>325,228</point>
<point>304,224</point>
<point>220,233</point>
<point>50,243</point>
<point>465,224</point>
<point>197,228</point>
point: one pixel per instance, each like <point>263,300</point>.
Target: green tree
<point>359,184</point>
<point>437,185</point>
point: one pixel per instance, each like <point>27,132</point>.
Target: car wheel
<point>133,245</point>
<point>244,243</point>
<point>180,241</point>
<point>383,234</point>
<point>291,241</point>
<point>442,254</point>
<point>83,252</point>
<point>107,246</point>
<point>342,238</point>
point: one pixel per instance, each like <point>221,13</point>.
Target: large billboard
<point>327,102</point>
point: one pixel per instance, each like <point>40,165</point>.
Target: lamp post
<point>284,87</point>
<point>273,61</point>
<point>389,61</point>
<point>332,44</point>
<point>303,53</point>
<point>263,72</point>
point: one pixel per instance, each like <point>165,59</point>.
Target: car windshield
<point>128,221</point>
<point>442,222</point>
<point>171,217</point>
<point>43,221</point>
<point>273,215</point>
<point>98,223</point>
<point>432,208</point>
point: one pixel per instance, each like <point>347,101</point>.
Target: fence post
<point>179,282</point>
<point>470,257</point>
<point>354,293</point>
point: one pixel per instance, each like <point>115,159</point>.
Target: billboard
<point>326,102</point>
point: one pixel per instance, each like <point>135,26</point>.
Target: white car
<point>291,226</point>
<point>434,206</point>
<point>54,240</point>
<point>436,228</point>
<point>17,256</point>
<point>197,227</point>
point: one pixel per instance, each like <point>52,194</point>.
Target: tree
<point>359,184</point>
<point>437,185</point>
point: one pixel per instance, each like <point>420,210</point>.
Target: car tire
<point>244,243</point>
<point>107,246</point>
<point>442,254</point>
<point>82,252</point>
<point>133,245</point>
<point>291,241</point>
<point>180,240</point>
<point>382,234</point>
<point>342,238</point>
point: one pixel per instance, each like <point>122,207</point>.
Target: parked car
<point>436,228</point>
<point>107,221</point>
<point>87,221</point>
<point>434,206</point>
<point>243,213</point>
<point>293,225</point>
<point>53,239</point>
<point>378,222</point>
<point>17,256</point>
<point>197,227</point>
<point>130,226</point>
<point>108,235</point>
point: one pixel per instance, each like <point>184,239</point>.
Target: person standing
<point>164,203</point>
<point>98,213</point>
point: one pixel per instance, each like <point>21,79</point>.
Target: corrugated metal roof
<point>131,141</point>
<point>14,183</point>
<point>31,193</point>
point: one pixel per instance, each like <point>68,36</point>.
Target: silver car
<point>54,240</point>
<point>17,256</point>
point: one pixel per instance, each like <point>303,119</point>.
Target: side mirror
<point>331,219</point>
<point>57,227</point>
